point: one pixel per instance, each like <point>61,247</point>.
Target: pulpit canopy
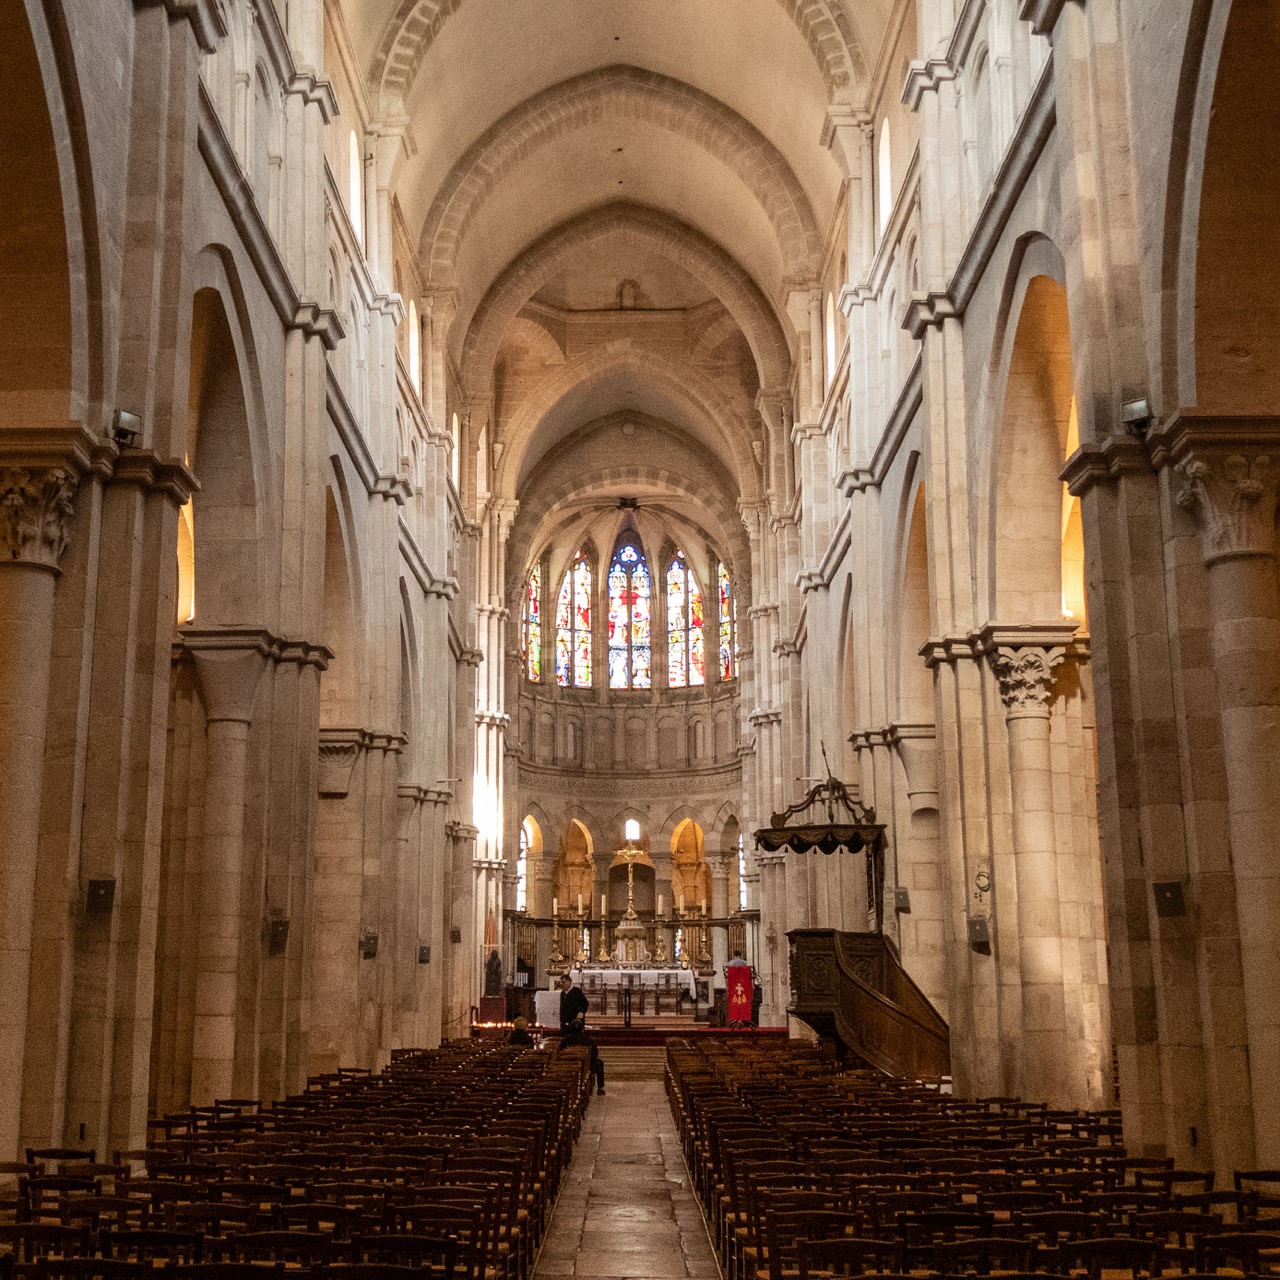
<point>849,827</point>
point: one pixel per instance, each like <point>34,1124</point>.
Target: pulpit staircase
<point>851,987</point>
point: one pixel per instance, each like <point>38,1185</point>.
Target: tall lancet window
<point>686,646</point>
<point>573,626</point>
<point>630,620</point>
<point>531,636</point>
<point>728,627</point>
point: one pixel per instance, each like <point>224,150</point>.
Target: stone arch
<point>1035,425</point>
<point>914,683</point>
<point>413,27</point>
<point>696,389</point>
<point>342,607</point>
<point>50,370</point>
<point>1029,399</point>
<point>679,243</point>
<point>410,679</point>
<point>630,93</point>
<point>1224,190</point>
<point>227,525</point>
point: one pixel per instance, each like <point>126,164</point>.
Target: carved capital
<point>1026,677</point>
<point>35,512</point>
<point>1232,497</point>
<point>339,751</point>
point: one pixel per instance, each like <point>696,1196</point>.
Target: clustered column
<point>1227,477</point>
<point>1026,676</point>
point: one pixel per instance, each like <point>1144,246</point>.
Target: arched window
<point>885,177</point>
<point>531,634</point>
<point>630,617</point>
<point>686,645</point>
<point>415,349</point>
<point>742,874</point>
<point>573,626</point>
<point>728,626</point>
<point>355,187</point>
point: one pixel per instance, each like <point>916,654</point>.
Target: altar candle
<point>604,905</point>
<point>660,904</point>
<point>704,906</point>
<point>682,904</point>
<point>555,906</point>
<point>579,904</point>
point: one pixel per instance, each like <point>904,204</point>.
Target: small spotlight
<point>126,428</point>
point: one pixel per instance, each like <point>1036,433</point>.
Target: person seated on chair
<point>573,1026</point>
<point>519,1034</point>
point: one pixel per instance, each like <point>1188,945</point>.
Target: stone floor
<point>626,1209</point>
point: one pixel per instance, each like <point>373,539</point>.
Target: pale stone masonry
<point>950,332</point>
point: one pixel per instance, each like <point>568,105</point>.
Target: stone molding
<point>1226,475</point>
<point>35,514</point>
<point>764,715</point>
<point>148,471</point>
<point>1042,14</point>
<point>1104,462</point>
<point>461,831</point>
<point>208,21</point>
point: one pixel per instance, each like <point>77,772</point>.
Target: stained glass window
<point>573,626</point>
<point>728,627</point>
<point>531,637</point>
<point>630,620</point>
<point>686,646</point>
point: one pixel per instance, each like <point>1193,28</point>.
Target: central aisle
<point>626,1209</point>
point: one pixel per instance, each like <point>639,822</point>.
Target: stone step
<point>633,1062</point>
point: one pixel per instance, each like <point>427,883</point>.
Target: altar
<point>547,1003</point>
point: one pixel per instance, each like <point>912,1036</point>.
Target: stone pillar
<point>1024,668</point>
<point>35,507</point>
<point>720,864</point>
<point>229,666</point>
<point>1227,478</point>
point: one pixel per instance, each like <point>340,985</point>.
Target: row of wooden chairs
<point>445,1164</point>
<point>885,1177</point>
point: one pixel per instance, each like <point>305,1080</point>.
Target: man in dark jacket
<point>573,1025</point>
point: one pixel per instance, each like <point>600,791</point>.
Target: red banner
<point>740,992</point>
